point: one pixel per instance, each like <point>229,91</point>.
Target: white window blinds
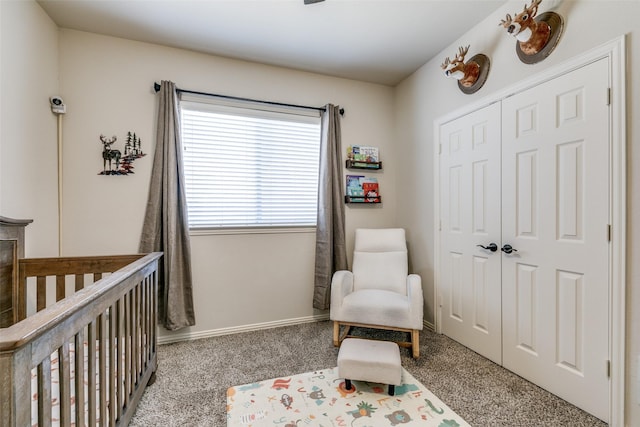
<point>248,167</point>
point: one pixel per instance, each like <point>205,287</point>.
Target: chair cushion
<point>376,307</point>
<point>386,270</point>
<point>380,240</point>
<point>380,260</point>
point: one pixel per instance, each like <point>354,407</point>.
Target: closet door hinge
<point>439,148</point>
<point>608,232</point>
<point>608,368</point>
<point>608,96</point>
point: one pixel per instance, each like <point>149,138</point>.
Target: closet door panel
<point>555,213</point>
<point>470,214</point>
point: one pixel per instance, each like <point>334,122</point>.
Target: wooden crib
<point>78,338</point>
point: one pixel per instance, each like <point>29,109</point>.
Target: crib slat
<point>97,276</point>
<point>91,373</point>
<point>132,332</point>
<point>64,372</point>
<point>79,377</point>
<point>41,295</point>
<point>154,313</point>
<point>140,328</point>
<point>60,285</point>
<point>102,370</point>
<point>136,339</point>
<point>44,392</point>
<point>127,348</point>
<point>119,371</point>
<point>132,340</point>
<point>113,361</point>
<point>138,334</point>
<point>145,322</point>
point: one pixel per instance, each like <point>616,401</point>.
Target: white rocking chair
<point>379,293</point>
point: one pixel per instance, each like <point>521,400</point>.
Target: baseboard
<point>187,336</point>
<point>428,325</point>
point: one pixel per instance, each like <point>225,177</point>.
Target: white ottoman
<point>370,360</point>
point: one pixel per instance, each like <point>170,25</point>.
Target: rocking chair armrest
<point>341,286</point>
<point>415,295</point>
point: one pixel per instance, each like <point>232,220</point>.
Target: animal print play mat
<point>320,399</point>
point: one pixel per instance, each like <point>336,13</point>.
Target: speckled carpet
<point>193,378</point>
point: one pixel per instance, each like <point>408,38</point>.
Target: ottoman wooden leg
<point>347,384</point>
<point>392,389</point>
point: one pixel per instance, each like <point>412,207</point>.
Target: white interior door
<point>555,213</point>
<point>532,172</point>
<point>470,216</point>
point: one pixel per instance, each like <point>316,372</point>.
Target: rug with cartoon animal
<point>320,399</point>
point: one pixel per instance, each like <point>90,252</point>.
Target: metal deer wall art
<point>109,155</point>
<point>536,37</point>
<point>470,75</point>
<point>119,164</point>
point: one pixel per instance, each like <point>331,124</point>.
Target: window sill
<point>250,230</point>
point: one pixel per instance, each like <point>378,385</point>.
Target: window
<point>246,166</point>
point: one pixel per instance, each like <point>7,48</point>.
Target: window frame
<point>212,103</point>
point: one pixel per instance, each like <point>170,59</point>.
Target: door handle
<point>491,247</point>
<point>507,249</point>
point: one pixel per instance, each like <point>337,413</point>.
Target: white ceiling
<point>379,41</point>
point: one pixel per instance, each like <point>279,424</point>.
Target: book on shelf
<point>354,185</point>
<point>363,153</point>
<point>362,187</point>
<point>370,187</point>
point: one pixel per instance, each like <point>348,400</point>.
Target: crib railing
<point>100,336</point>
<point>56,272</point>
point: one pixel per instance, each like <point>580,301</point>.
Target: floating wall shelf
<point>356,164</point>
<point>360,199</point>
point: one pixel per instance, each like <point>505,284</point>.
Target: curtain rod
<point>156,87</point>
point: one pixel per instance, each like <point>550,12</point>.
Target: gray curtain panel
<point>166,226</point>
<point>331,251</point>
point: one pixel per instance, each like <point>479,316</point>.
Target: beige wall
<point>28,142</point>
<point>427,95</point>
<point>241,280</point>
<point>238,279</point>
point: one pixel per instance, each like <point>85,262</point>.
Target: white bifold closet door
<point>555,212</point>
<point>470,216</point>
<point>540,308</point>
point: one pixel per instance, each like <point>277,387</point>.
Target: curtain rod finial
<point>341,111</point>
<point>156,87</point>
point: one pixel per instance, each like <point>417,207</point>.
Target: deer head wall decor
<point>472,74</point>
<point>536,37</point>
<point>466,74</point>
